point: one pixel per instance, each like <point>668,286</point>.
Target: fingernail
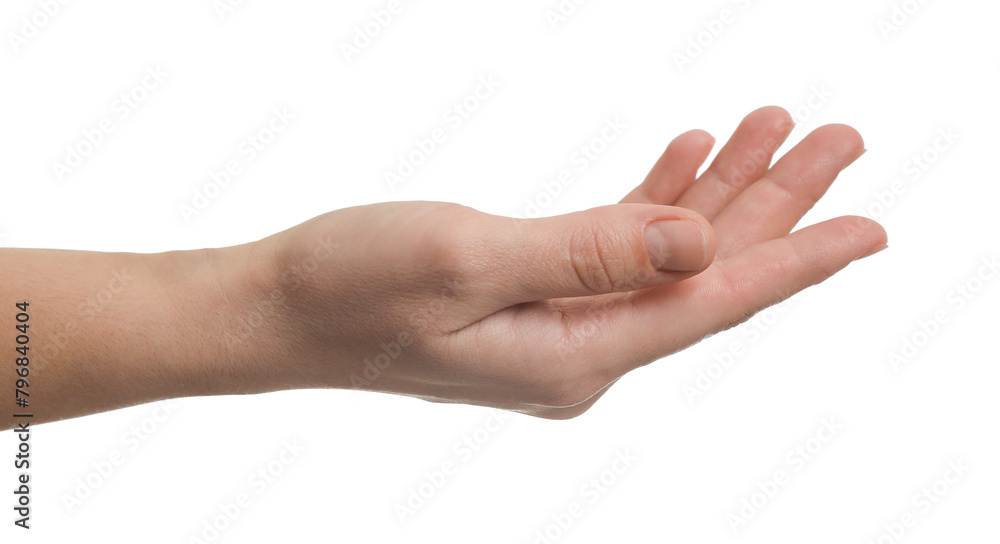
<point>676,245</point>
<point>873,251</point>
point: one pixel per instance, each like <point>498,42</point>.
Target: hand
<point>444,303</point>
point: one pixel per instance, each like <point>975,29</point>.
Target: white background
<point>824,355</point>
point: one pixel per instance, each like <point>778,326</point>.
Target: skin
<point>442,302</point>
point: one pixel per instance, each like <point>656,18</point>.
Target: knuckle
<point>454,252</point>
<point>445,250</point>
<point>602,259</point>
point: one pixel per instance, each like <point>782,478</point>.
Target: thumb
<point>617,248</point>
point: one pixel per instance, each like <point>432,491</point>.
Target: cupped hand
<point>541,316</point>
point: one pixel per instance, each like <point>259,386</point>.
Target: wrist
<point>225,317</point>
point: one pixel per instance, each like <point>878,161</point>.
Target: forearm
<point>110,330</point>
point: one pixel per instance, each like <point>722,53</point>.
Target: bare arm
<point>109,330</point>
<point>439,301</point>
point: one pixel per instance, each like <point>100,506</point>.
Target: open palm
<point>542,316</point>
